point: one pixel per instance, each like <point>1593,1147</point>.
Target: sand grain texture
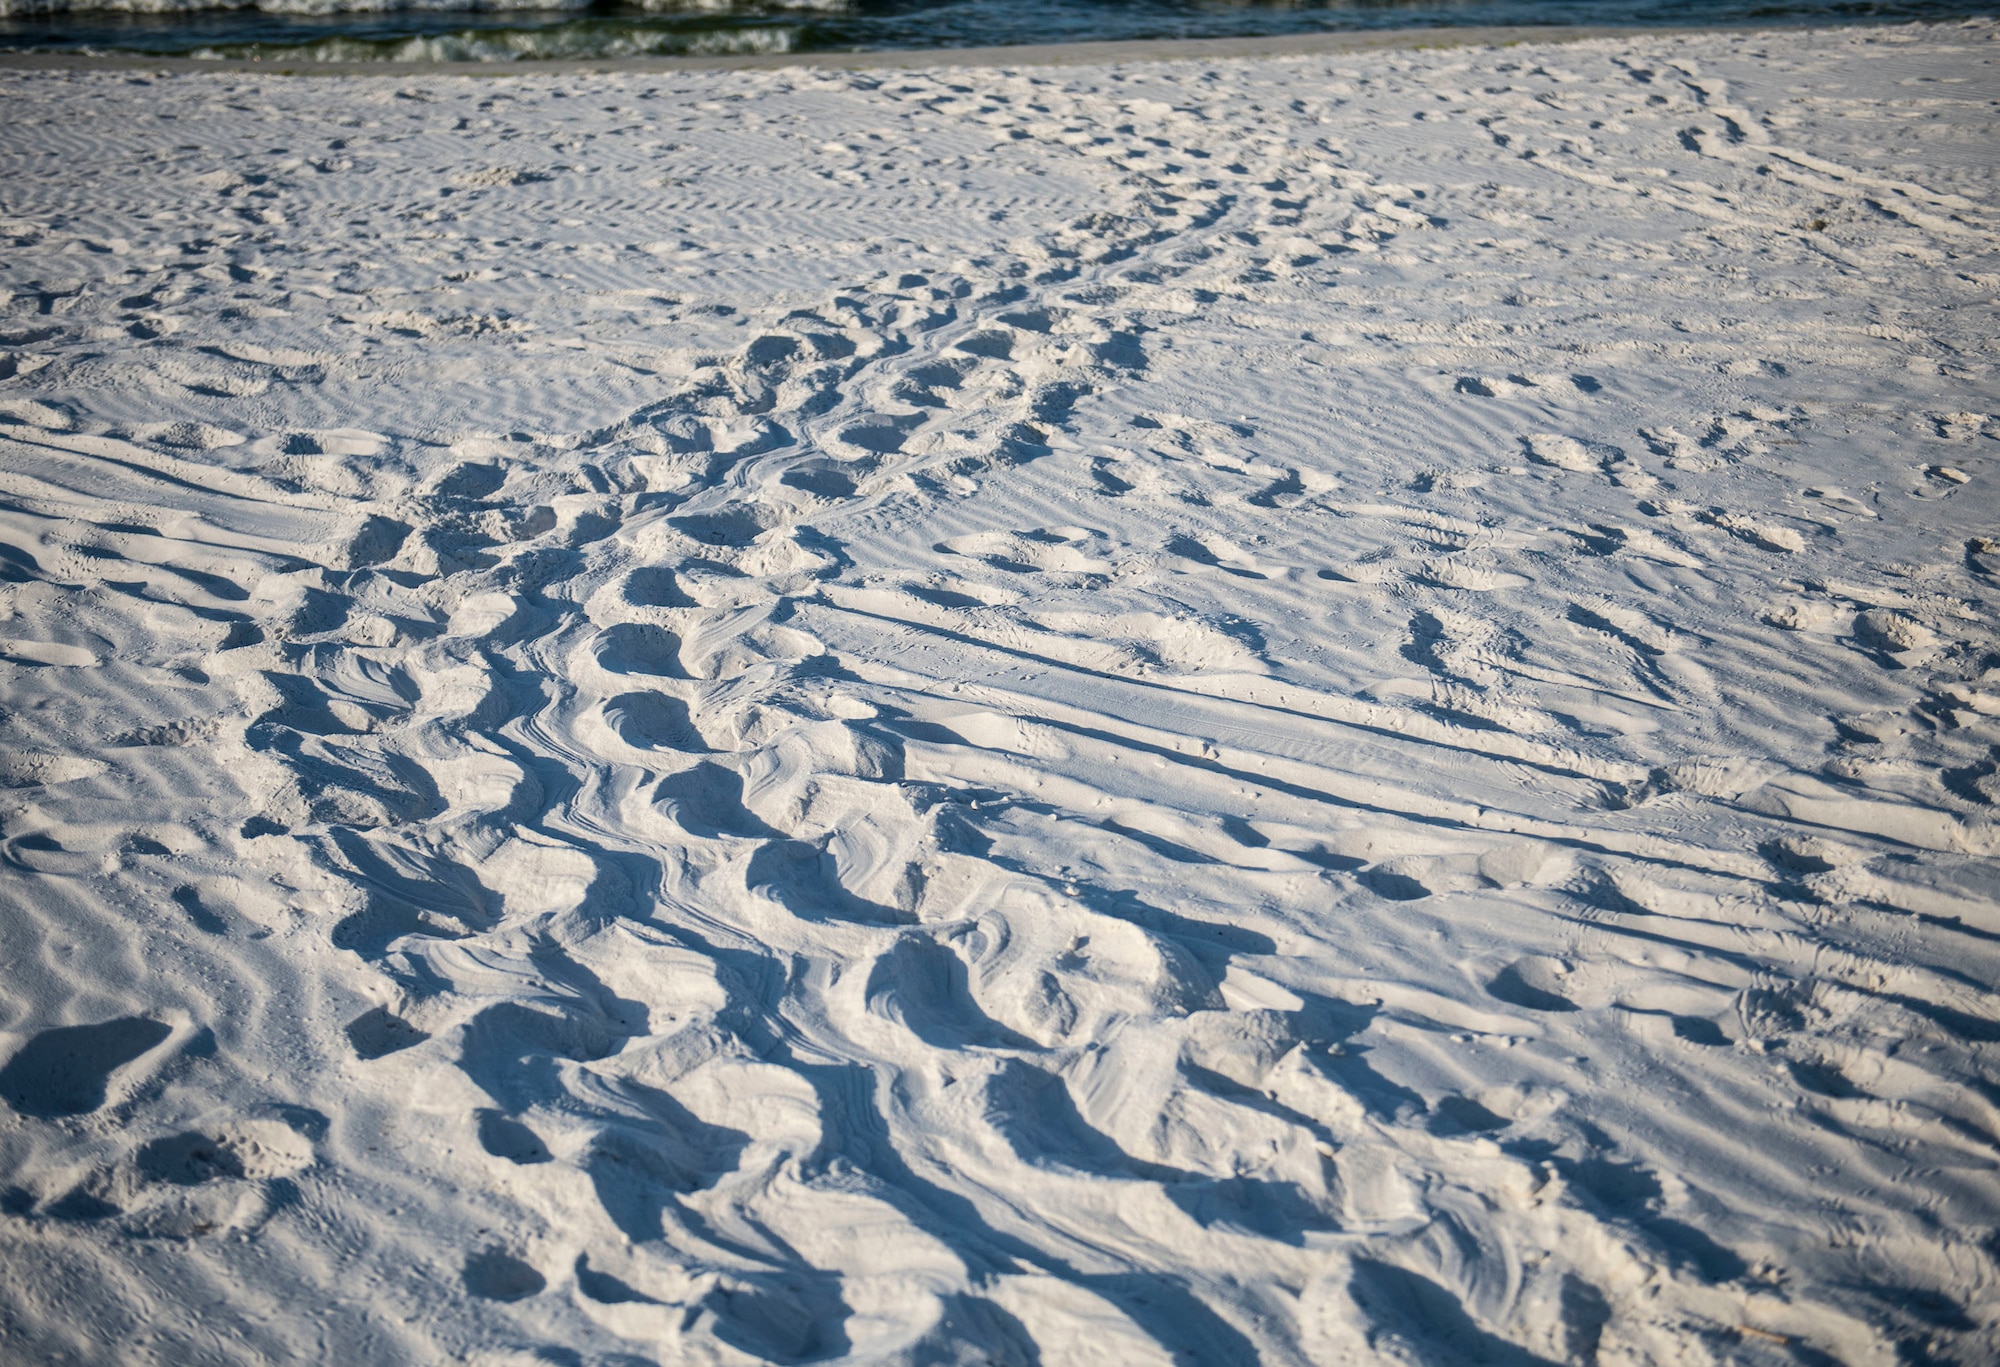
<point>1329,709</point>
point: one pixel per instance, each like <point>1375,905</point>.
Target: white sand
<point>1333,709</point>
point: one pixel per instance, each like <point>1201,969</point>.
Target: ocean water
<point>523,30</point>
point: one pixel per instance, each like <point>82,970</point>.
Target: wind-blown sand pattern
<point>1311,710</point>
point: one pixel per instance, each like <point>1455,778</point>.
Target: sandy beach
<point>1314,708</point>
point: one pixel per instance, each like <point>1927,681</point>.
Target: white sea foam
<point>1339,709</point>
<point>549,42</point>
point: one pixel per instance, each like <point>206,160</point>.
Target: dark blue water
<point>492,30</point>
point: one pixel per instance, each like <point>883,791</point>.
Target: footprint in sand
<point>653,721</point>
<point>639,648</point>
<point>496,1275</point>
<point>68,1070</point>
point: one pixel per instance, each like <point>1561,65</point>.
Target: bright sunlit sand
<point>1335,708</point>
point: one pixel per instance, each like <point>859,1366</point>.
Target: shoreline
<point>1018,55</point>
